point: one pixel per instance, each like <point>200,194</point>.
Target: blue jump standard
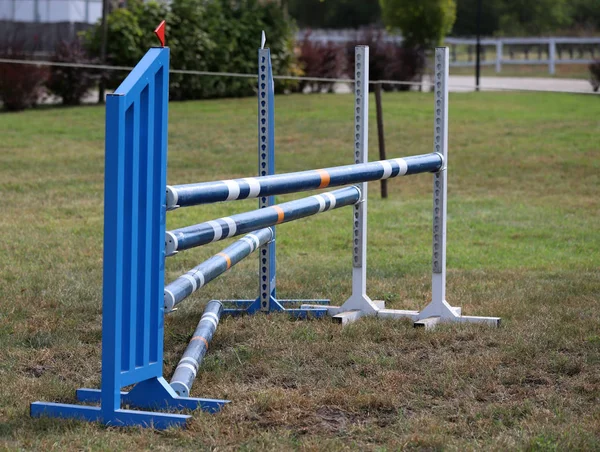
<point>133,264</point>
<point>151,394</point>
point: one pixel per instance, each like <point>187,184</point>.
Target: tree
<point>466,18</point>
<point>423,23</point>
<point>334,13</point>
<point>130,33</point>
<point>586,14</point>
<point>212,36</point>
<point>525,17</point>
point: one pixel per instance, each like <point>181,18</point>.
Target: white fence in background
<point>506,51</point>
<point>557,50</point>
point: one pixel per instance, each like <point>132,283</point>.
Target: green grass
<point>524,206</point>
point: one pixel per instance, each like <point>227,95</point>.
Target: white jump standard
<point>438,310</point>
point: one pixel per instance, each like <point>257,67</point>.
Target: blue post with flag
<point>134,259</point>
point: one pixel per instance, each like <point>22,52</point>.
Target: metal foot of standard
<point>439,312</point>
<point>117,418</point>
<point>155,394</point>
<point>427,318</point>
<point>431,322</point>
<point>316,309</point>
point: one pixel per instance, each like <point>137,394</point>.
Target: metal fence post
<point>551,56</point>
<point>381,135</point>
<point>498,56</point>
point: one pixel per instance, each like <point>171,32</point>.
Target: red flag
<point>160,33</point>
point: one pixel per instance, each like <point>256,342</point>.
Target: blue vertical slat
<point>127,240</point>
<point>161,106</point>
<point>149,218</point>
<point>155,255</point>
<point>112,283</point>
<point>135,236</point>
<point>145,202</point>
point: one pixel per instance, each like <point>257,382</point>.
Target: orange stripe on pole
<point>280,214</point>
<point>227,259</point>
<point>325,178</point>
<point>200,338</point>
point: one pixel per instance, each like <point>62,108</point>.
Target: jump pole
<point>222,228</point>
<point>195,279</point>
<point>439,310</point>
<point>187,368</point>
<point>359,302</point>
<point>280,184</point>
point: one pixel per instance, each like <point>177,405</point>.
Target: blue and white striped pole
<point>212,231</point>
<point>279,184</point>
<point>208,270</point>
<point>187,369</point>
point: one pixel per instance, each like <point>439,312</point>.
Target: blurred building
<point>51,11</point>
<point>39,25</point>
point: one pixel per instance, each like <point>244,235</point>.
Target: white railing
<point>550,51</point>
<point>553,47</point>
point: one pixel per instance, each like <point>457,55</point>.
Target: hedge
<point>215,36</point>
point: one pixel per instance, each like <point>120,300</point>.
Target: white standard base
<point>428,318</point>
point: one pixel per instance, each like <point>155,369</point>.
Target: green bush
<point>423,23</point>
<point>216,36</point>
<point>335,13</point>
<point>188,26</point>
<point>123,43</point>
<point>130,34</point>
<point>213,36</point>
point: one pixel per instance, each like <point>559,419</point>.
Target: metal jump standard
<point>136,242</point>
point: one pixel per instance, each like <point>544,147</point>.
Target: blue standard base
<point>249,307</point>
<point>155,393</point>
<point>118,418</point>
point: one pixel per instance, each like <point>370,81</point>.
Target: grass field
<point>524,241</point>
